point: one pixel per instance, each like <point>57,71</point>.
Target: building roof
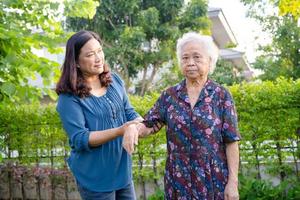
<point>221,31</point>
<point>237,57</point>
<point>223,37</point>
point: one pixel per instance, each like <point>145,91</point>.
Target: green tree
<point>139,36</point>
<point>225,73</point>
<point>26,25</point>
<point>281,57</point>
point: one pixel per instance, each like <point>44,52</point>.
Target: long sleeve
<point>73,121</point>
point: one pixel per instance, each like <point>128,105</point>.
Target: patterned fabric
<point>196,166</point>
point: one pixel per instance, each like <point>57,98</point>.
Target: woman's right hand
<point>126,125</point>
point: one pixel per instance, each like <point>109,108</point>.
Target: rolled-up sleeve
<point>73,121</point>
<point>230,130</point>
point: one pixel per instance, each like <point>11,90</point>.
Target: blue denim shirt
<point>108,166</point>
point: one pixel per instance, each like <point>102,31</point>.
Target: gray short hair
<point>205,40</point>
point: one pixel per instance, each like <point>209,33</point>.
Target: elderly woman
<point>201,124</point>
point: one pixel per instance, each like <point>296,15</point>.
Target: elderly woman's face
<point>194,61</point>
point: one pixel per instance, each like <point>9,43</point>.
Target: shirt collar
<point>182,90</point>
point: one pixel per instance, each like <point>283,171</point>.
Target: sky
<point>246,30</point>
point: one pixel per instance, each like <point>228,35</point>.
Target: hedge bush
<point>268,121</point>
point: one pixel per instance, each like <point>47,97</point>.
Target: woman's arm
<point>73,120</point>
<point>232,154</point>
<point>231,136</point>
<point>152,123</point>
<point>97,138</point>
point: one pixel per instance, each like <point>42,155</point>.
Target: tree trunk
<point>141,178</point>
<point>126,77</point>
<point>144,81</point>
<point>257,163</point>
<point>155,165</point>
<point>295,157</point>
<point>153,73</point>
<point>278,148</point>
<point>256,152</point>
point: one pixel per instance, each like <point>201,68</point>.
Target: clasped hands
<point>131,136</point>
<point>132,132</point>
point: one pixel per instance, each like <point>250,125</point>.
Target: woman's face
<point>194,61</point>
<point>91,58</point>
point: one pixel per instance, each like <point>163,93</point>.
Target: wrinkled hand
<point>144,131</point>
<point>130,138</point>
<point>231,191</point>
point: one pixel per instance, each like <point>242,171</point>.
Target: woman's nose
<point>191,61</point>
<point>98,56</point>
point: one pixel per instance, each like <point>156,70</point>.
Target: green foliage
<point>281,57</point>
<point>82,9</point>
<point>32,134</point>
<point>158,195</point>
<point>139,36</point>
<point>192,18</point>
<point>26,26</point>
<point>268,119</point>
<point>250,188</point>
<point>151,148</point>
<point>225,74</point>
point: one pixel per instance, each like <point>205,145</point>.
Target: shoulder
<point>172,91</point>
<point>175,88</point>
<point>66,99</point>
<point>117,79</point>
<point>219,90</point>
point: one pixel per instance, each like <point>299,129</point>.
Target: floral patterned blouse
<point>196,166</point>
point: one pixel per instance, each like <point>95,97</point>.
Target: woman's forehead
<point>91,45</point>
<point>193,47</point>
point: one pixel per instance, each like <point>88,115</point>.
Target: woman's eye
<point>89,55</point>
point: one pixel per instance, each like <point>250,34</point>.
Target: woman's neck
<point>93,82</point>
<point>195,83</point>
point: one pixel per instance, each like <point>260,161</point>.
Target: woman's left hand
<point>231,191</point>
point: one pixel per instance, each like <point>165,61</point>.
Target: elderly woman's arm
<point>231,136</point>
<point>153,122</point>
<point>232,154</point>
